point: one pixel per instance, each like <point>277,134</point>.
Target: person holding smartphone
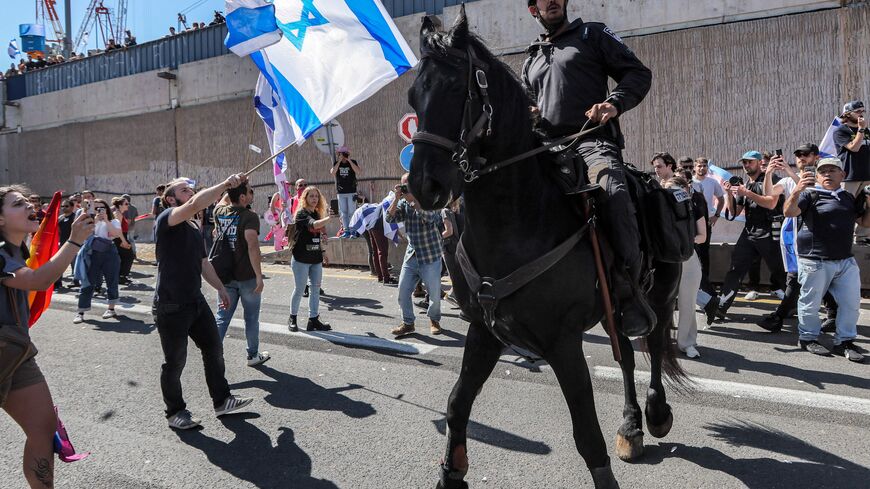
<point>852,142</point>
<point>98,260</point>
<point>345,170</point>
<point>24,393</point>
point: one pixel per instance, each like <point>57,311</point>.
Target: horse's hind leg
<point>629,437</point>
<point>482,351</point>
<point>570,368</point>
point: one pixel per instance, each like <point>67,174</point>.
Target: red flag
<point>42,247</point>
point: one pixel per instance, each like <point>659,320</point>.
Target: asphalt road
<point>356,409</point>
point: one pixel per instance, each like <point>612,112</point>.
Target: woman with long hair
<point>273,219</point>
<point>99,260</point>
<point>307,262</point>
<point>24,394</point>
<point>122,243</point>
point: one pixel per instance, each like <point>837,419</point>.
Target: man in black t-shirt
<point>345,171</point>
<point>852,140</point>
<point>64,226</point>
<point>181,311</point>
<point>757,238</point>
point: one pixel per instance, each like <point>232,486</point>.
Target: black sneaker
<point>292,324</point>
<point>814,347</point>
<point>829,325</point>
<point>232,404</point>
<point>183,420</point>
<point>710,309</point>
<point>850,351</point>
<point>771,322</point>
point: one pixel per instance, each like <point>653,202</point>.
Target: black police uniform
<point>567,75</point>
<point>755,241</point>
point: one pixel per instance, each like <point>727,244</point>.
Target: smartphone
<point>88,209</point>
<point>735,181</point>
<point>778,152</point>
<point>403,188</point>
<point>333,206</point>
<point>809,169</point>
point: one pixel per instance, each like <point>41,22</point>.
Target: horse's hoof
<point>452,484</point>
<point>662,430</point>
<point>628,449</point>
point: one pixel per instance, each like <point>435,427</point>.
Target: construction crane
<point>46,11</point>
<point>121,20</point>
<point>99,16</point>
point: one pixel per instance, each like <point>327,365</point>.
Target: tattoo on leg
<point>42,471</point>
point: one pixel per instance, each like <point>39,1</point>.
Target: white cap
<point>829,162</point>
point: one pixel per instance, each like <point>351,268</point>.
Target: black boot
<point>292,324</point>
<point>314,324</point>
<point>638,318</point>
<point>711,308</point>
<point>771,322</point>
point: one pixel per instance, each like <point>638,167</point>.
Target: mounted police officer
<point>566,72</point>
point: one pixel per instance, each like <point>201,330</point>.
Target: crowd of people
<point>801,222</point>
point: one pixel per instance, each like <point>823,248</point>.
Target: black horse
<point>515,215</point>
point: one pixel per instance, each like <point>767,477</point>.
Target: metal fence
<point>168,53</point>
<point>398,8</point>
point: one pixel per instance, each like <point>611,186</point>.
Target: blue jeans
<point>304,273</point>
<point>346,207</point>
<point>243,290</point>
<point>843,280</point>
<point>103,264</point>
<point>430,274</point>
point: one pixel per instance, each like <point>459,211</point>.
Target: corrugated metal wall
<point>398,8</point>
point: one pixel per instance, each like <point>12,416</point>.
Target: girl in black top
<point>307,262</point>
<point>24,393</point>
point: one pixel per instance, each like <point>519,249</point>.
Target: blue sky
<point>148,19</point>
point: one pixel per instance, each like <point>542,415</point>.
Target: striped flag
<point>827,149</point>
<point>12,50</point>
<point>391,229</point>
<point>278,131</point>
<point>364,218</point>
<point>251,26</point>
<point>43,246</point>
<point>722,175</point>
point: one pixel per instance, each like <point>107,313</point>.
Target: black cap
<point>807,148</point>
<point>853,106</point>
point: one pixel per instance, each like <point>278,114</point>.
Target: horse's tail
<point>662,339</point>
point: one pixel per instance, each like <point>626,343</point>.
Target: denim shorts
<point>18,368</point>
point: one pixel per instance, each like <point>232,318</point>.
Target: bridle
<point>472,129</point>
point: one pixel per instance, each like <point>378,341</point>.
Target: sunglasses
<point>802,153</point>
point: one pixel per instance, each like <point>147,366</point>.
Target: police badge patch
<point>612,34</point>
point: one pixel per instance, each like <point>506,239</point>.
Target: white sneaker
<point>692,352</point>
<point>779,293</point>
<point>751,295</point>
<point>258,359</point>
<point>79,318</point>
<point>109,314</point>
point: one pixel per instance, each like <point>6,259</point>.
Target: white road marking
<point>809,399</point>
<point>337,337</point>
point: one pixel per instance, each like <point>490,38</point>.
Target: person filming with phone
<point>852,142</point>
<point>825,261</point>
<point>757,239</point>
<point>422,259</point>
<point>98,259</point>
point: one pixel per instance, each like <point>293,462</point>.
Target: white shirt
<point>787,185</point>
<point>101,228</point>
<point>710,188</point>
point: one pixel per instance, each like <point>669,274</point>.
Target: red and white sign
<point>408,127</point>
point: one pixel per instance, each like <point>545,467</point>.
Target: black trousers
<point>175,324</point>
<point>745,252</point>
<point>127,257</point>
<point>703,252</point>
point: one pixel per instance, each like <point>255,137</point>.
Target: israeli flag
<point>827,149</point>
<point>333,55</point>
<point>391,229</point>
<point>278,131</point>
<point>722,175</point>
<point>364,218</point>
<point>251,25</point>
<point>12,50</point>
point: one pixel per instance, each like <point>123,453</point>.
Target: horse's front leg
<point>482,351</point>
<point>659,417</point>
<point>629,437</point>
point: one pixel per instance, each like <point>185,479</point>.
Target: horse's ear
<point>428,27</point>
<point>459,31</point>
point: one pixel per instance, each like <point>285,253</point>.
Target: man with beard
<point>577,58</point>
<point>852,140</point>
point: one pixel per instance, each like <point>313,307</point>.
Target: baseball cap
<point>751,155</point>
<point>807,148</point>
<point>343,149</point>
<point>829,162</point>
<point>853,106</point>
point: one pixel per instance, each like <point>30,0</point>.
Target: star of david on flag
<point>331,55</point>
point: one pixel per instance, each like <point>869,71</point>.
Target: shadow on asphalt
<point>250,455</point>
<point>799,464</point>
<point>123,324</point>
<point>287,391</point>
<point>358,306</point>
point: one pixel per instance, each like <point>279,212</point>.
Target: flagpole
<point>285,148</point>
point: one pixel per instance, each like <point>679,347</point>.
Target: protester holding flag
<point>24,393</point>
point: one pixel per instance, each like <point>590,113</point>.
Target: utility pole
<point>67,38</point>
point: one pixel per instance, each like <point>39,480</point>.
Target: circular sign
<point>408,127</point>
<point>405,157</point>
<point>321,138</point>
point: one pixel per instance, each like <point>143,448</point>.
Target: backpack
<point>222,257</point>
<point>665,217</point>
